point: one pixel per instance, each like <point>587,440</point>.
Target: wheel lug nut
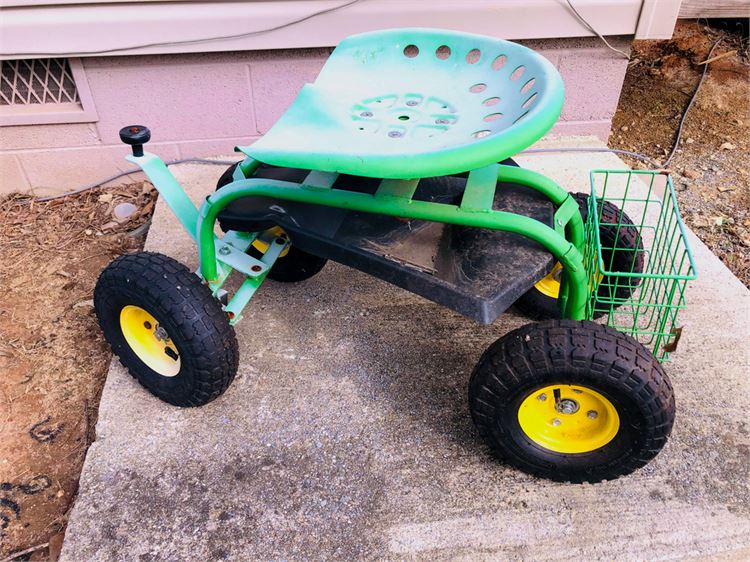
<point>542,397</point>
<point>593,414</point>
<point>556,422</point>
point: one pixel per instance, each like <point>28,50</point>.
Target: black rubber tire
<point>296,265</point>
<point>572,352</point>
<point>538,306</point>
<point>185,307</point>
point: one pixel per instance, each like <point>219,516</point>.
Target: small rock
<point>124,211</point>
<point>721,221</point>
<point>84,304</point>
<point>689,140</point>
<point>55,547</point>
<point>88,232</point>
<point>727,146</point>
<point>700,222</point>
<point>692,174</point>
<point>725,188</point>
<point>109,226</point>
<point>105,198</point>
<point>624,128</point>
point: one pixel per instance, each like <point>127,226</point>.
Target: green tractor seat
<point>414,103</point>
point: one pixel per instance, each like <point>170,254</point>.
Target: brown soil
<point>52,355</point>
<point>711,167</point>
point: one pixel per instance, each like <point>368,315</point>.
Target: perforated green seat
<point>412,103</point>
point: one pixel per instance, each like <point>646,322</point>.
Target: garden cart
<point>397,162</point>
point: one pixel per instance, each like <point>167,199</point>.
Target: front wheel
<point>167,328</point>
<point>571,401</point>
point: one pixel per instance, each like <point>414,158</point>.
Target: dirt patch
<point>53,358</point>
<point>711,167</point>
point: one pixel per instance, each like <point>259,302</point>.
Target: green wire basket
<point>646,300</point>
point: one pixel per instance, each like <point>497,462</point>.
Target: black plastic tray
<point>476,272</point>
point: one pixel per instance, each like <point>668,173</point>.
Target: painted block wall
<point>205,104</point>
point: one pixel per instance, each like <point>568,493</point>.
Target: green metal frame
<point>218,257</point>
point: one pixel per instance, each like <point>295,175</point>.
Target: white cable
<point>653,163</point>
<point>678,135</point>
<point>268,30</point>
<point>595,32</point>
<point>99,183</point>
<point>190,41</point>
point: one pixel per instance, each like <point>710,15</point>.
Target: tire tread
<point>584,351</point>
<point>207,342</point>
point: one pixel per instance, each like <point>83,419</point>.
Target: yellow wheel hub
<point>567,418</point>
<point>549,285</point>
<point>149,341</point>
<point>262,245</point>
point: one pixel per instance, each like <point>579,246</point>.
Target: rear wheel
<point>167,328</point>
<point>622,251</point>
<point>293,264</point>
<point>571,401</point>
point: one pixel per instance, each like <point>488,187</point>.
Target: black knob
<point>136,136</point>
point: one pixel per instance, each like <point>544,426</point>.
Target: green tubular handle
<point>169,188</point>
<point>566,252</point>
<point>570,287</point>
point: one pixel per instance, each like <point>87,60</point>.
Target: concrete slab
<point>347,436</point>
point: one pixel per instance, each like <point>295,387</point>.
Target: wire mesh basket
<point>637,256</point>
